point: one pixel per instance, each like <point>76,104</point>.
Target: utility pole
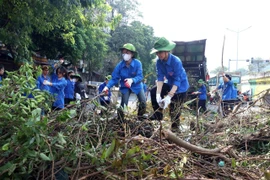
<point>237,41</point>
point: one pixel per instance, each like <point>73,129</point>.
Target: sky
<point>242,22</point>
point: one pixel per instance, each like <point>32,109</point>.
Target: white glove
<point>105,90</point>
<point>78,96</point>
<point>166,101</point>
<point>46,82</point>
<point>106,98</point>
<point>128,82</point>
<point>158,98</point>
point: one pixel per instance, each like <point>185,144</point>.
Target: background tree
<point>52,26</point>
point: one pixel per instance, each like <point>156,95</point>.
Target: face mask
<point>126,57</point>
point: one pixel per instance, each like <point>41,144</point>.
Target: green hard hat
<point>109,77</point>
<point>131,48</point>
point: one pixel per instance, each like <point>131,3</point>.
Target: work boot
<point>175,125</point>
<point>157,116</point>
<point>142,111</point>
<point>146,129</point>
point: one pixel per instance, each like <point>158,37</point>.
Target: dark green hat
<point>77,76</point>
<point>201,81</point>
<point>109,77</point>
<point>131,48</point>
<point>162,44</point>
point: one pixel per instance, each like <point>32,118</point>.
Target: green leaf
<point>44,157</point>
<point>6,167</point>
<point>110,149</point>
<point>132,151</point>
<point>233,163</point>
<point>61,138</point>
<point>5,147</point>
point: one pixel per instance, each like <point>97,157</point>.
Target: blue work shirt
<point>122,72</point>
<point>69,89</point>
<point>227,90</point>
<point>40,84</point>
<point>173,70</point>
<point>202,95</point>
<point>234,93</point>
<point>57,90</point>
<point>100,88</point>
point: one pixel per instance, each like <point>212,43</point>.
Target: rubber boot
<point>157,116</point>
<point>141,111</point>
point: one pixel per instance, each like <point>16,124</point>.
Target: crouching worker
<point>129,72</point>
<point>169,66</point>
<point>202,95</point>
<point>105,97</point>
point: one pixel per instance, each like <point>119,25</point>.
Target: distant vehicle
<point>215,81</point>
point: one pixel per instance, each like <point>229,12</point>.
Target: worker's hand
<point>128,82</point>
<point>158,98</point>
<point>78,96</point>
<point>106,98</point>
<point>165,102</point>
<point>105,90</point>
<point>46,82</point>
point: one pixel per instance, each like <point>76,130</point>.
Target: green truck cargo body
<point>192,55</point>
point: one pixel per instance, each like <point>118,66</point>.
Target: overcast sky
<point>187,20</point>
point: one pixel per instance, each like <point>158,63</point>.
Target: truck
<point>192,55</point>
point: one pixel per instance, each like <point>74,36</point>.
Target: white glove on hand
<point>106,98</point>
<point>46,82</point>
<point>128,82</point>
<point>166,101</point>
<point>158,98</point>
<point>78,96</point>
<point>105,90</point>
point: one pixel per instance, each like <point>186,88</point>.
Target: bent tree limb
<point>200,150</point>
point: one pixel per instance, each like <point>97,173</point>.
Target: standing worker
<point>130,73</point>
<point>170,66</point>
<point>79,87</point>
<point>227,87</point>
<point>69,89</point>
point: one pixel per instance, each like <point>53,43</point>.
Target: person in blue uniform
<point>130,73</point>
<point>58,85</point>
<point>105,98</point>
<point>227,87</point>
<point>2,73</point>
<point>202,95</point>
<point>79,88</point>
<point>44,76</point>
<point>69,89</point>
<point>227,93</point>
<point>170,67</point>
